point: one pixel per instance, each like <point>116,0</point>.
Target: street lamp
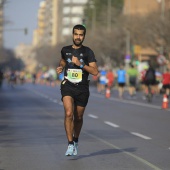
<point>109,5</point>
<point>162,8</point>
<point>92,6</point>
<point>25,30</point>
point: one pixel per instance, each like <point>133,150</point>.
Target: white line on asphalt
<point>55,101</point>
<point>60,103</point>
<point>131,102</point>
<point>111,124</point>
<point>141,136</point>
<point>124,151</point>
<point>93,116</point>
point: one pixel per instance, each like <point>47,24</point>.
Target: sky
<point>19,14</point>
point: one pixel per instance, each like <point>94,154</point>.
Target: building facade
<point>56,19</point>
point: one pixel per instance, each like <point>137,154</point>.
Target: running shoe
<point>75,148</point>
<point>70,150</point>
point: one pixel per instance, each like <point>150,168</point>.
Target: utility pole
<point>93,24</point>
<point>109,7</point>
<point>163,9</point>
<point>25,30</point>
<point>1,22</point>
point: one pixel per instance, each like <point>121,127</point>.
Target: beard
<point>77,42</point>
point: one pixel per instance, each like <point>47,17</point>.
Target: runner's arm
<point>61,66</point>
<point>92,68</point>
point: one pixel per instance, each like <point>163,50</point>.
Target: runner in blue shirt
<point>121,79</point>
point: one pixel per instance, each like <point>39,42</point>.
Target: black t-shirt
<point>83,52</point>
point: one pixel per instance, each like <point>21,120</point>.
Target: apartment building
<point>72,13</point>
<point>56,19</point>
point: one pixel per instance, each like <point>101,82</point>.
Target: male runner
<point>77,61</point>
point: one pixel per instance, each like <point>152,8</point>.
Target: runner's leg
<point>78,120</point>
<point>68,121</point>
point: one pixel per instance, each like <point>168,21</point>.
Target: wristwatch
<point>82,65</point>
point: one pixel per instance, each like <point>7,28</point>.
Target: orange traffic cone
<point>107,92</point>
<point>165,102</point>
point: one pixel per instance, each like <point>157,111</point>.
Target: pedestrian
<point>142,80</point>
<point>102,80</point>
<point>166,82</point>
<point>150,79</point>
<point>110,78</point>
<point>132,73</point>
<point>77,61</point>
<point>1,77</point>
<point>121,79</point>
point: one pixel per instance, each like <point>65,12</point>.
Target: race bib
<point>74,75</point>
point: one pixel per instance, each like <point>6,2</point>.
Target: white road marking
<point>145,162</point>
<point>93,116</point>
<point>55,101</point>
<point>60,103</point>
<point>111,124</point>
<point>130,102</point>
<point>141,136</point>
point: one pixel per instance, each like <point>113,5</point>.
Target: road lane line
<point>138,103</point>
<point>55,101</point>
<point>141,136</point>
<point>93,116</point>
<point>123,151</point>
<point>111,124</point>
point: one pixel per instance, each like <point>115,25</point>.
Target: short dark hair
<point>79,27</point>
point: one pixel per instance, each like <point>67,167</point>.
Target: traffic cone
<point>165,102</point>
<point>107,92</point>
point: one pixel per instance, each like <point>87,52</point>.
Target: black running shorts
<point>121,84</point>
<point>79,92</point>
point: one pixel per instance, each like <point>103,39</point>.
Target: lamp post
<point>92,6</point>
<point>1,22</point>
<point>25,30</point>
<point>162,8</point>
<point>109,5</point>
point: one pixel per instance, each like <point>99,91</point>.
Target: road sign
<point>127,58</point>
<point>161,60</point>
<point>137,49</point>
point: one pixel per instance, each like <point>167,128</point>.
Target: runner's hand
<point>59,69</point>
<point>76,61</point>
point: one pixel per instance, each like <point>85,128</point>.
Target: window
<point>66,10</point>
<point>77,10</point>
<point>66,1</point>
<point>80,1</point>
<point>66,21</point>
<point>66,31</point>
<point>76,20</point>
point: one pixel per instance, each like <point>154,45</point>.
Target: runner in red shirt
<point>110,78</point>
<point>166,81</point>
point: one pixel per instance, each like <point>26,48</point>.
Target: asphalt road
<point>116,135</point>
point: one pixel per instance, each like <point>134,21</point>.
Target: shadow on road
<point>105,152</point>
